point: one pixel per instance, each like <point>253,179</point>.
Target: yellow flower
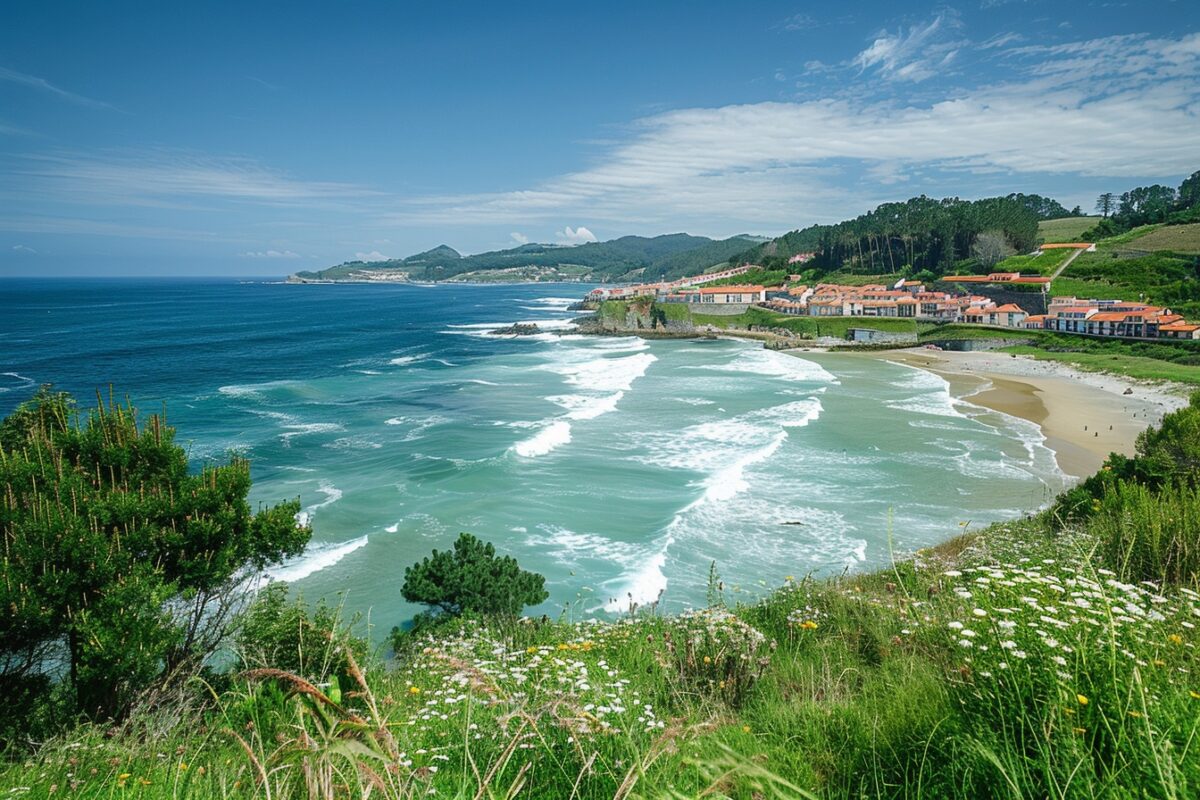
<point>1080,730</point>
<point>789,579</point>
<point>1158,662</point>
<point>124,776</point>
<point>1195,695</point>
<point>1135,714</point>
<point>144,781</point>
<point>745,729</point>
<point>721,684</point>
<point>1083,701</point>
<point>531,650</point>
<point>809,625</point>
<point>413,690</point>
<point>1175,638</point>
<point>182,766</point>
<point>707,660</point>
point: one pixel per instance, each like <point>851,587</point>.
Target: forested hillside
<point>629,257</point>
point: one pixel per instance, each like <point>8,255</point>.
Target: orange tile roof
<point>1179,326</point>
<point>730,289</point>
<point>1009,308</point>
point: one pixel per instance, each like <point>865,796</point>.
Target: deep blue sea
<point>618,467</point>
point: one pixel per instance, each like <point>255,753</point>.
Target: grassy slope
<point>930,678</point>
<point>1131,366</point>
<point>1176,238</point>
<point>1067,229</point>
<point>1044,264</point>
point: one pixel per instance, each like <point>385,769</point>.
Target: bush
<point>1150,536</point>
<point>472,578</point>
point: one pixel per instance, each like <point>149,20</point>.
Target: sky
<point>258,139</point>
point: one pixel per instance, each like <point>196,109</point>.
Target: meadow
<point>1066,229</point>
<point>1054,656</point>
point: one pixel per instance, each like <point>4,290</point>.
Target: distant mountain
<point>626,258</point>
<point>438,254</point>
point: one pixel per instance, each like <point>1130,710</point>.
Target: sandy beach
<point>1084,416</point>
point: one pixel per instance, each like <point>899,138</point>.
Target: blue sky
<point>260,139</point>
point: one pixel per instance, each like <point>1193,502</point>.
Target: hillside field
<point>1067,229</point>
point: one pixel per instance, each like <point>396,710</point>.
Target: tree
<point>1106,203</point>
<point>990,248</point>
<point>471,578</point>
<point>1189,191</point>
<point>119,563</point>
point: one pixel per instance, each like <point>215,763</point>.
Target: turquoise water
<point>617,467</point>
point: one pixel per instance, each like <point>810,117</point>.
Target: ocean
<point>620,468</point>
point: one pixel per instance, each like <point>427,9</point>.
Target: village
<point>912,299</point>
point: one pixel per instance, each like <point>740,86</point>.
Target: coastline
<point>1084,416</point>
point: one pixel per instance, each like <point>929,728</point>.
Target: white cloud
<point>1077,109</point>
<point>916,55</point>
<point>798,22</point>
<point>163,176</point>
<point>20,248</point>
<point>270,254</point>
<point>519,238</point>
<point>374,255</point>
<point>41,84</point>
<point>580,235</point>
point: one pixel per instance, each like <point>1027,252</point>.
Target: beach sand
<point>1084,416</point>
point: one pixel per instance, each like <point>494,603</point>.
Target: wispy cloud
<point>374,255</point>
<point>289,254</point>
<point>165,177</point>
<point>773,164</point>
<point>916,54</point>
<point>43,85</point>
<point>519,238</point>
<point>20,248</point>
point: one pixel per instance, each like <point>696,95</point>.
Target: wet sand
<point>1084,416</point>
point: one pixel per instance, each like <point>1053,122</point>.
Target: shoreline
<point>1084,416</point>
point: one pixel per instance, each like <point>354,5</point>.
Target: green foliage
<point>918,234</point>
<point>119,563</point>
<point>472,578</point>
<point>759,277</point>
<point>1149,535</point>
<point>287,634</point>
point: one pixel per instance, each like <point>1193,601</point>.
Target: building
<point>724,295</point>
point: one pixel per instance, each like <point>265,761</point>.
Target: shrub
<point>471,577</point>
<point>120,566</point>
<point>1150,536</point>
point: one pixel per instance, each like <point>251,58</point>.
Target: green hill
<point>627,258</point>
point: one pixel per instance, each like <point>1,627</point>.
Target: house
<point>722,295</point>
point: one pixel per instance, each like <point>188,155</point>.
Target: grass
<point>965,332</point>
<point>1175,238</point>
<point>1043,264</point>
<point>805,326</point>
<point>1016,663</point>
<point>1131,366</point>
<point>855,279</point>
<point>1066,229</point>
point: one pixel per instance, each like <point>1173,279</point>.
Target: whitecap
<point>555,434</point>
<point>315,558</point>
<point>332,495</point>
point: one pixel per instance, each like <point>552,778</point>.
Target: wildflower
<point>1083,701</point>
<point>1135,714</point>
<point>745,729</point>
<point>413,690</point>
<point>183,766</point>
<point>809,625</point>
<point>1195,695</point>
<point>707,660</point>
<point>124,776</point>
<point>1175,638</point>
<point>789,579</point>
<point>1080,730</point>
